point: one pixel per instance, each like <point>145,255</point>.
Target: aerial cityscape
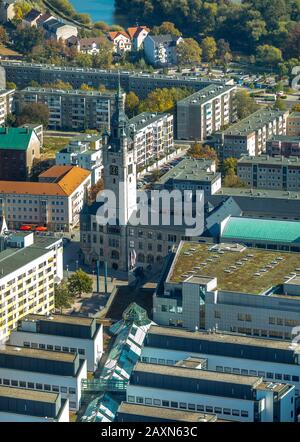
<point>149,212</point>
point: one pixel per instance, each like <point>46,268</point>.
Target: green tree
<point>280,104</point>
<point>83,60</point>
<point>188,52</point>
<point>34,113</point>
<point>79,283</point>
<point>59,84</point>
<point>209,49</point>
<point>132,104</point>
<point>11,85</point>
<point>62,297</point>
<point>268,55</point>
<point>21,9</point>
<point>86,87</point>
<point>245,105</point>
<point>26,38</point>
<point>232,180</point>
<point>166,28</point>
<point>104,58</point>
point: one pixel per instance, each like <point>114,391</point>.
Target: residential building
<point>264,172</point>
<point>89,45</point>
<point>152,135</point>
<point>44,371</point>
<point>32,17</point>
<point>44,18</point>
<point>30,266</point>
<point>128,412</point>
<point>241,290</point>
<point>6,104</point>
<point>20,405</point>
<point>293,124</point>
<point>239,398</point>
<point>7,10</point>
<point>273,360</point>
<point>161,50</point>
<point>68,334</point>
<point>121,41</point>
<point>192,174</point>
<point>71,109</point>
<point>137,35</point>
<point>20,147</point>
<point>205,112</point>
<point>283,145</point>
<point>249,136</point>
<point>58,29</point>
<point>84,151</point>
<point>55,201</point>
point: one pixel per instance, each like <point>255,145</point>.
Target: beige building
<point>55,201</point>
<point>293,124</point>
<point>7,10</point>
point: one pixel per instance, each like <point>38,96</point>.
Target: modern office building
<point>283,145</point>
<point>249,136</point>
<point>30,266</point>
<point>232,288</point>
<point>71,109</point>
<point>20,147</point>
<point>205,112</point>
<point>43,370</point>
<point>239,398</point>
<point>68,334</point>
<point>264,172</point>
<point>293,124</point>
<point>273,360</point>
<point>84,151</point>
<point>20,405</point>
<point>55,201</point>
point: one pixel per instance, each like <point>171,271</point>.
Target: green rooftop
<point>246,229</point>
<point>190,169</point>
<point>16,138</point>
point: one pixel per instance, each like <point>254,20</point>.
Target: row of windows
<point>50,347</point>
<point>37,386</point>
<point>187,406</point>
<point>267,375</point>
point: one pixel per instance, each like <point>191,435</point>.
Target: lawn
<point>53,145</point>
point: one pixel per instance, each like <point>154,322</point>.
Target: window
<point>209,409</point>
<point>42,346</point>
<point>244,372</point>
<point>278,376</point>
<point>219,368</point>
<point>226,411</point>
<point>55,388</point>
<point>182,405</point>
<point>63,389</point>
<point>139,400</point>
<point>57,348</point>
<point>244,413</point>
<point>14,383</point>
<point>165,403</point>
<point>72,390</point>
<point>49,347</point>
<point>218,410</point>
<point>148,401</point>
<point>200,407</point>
<point>39,386</point>
<point>81,351</point>
<point>131,398</point>
<point>66,349</point>
<point>26,344</point>
<point>72,404</point>
<point>156,402</point>
<point>295,378</point>
<point>73,350</point>
<point>235,412</point>
<point>47,387</point>
<point>6,382</point>
<point>30,385</point>
<point>22,384</point>
<point>191,406</point>
<point>174,404</point>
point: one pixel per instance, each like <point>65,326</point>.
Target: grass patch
<point>52,145</point>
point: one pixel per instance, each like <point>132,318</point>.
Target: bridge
<point>103,385</point>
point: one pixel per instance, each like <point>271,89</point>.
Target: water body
<point>99,10</point>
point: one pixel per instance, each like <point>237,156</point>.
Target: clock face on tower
<point>114,170</point>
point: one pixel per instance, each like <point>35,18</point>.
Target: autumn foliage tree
<point>198,151</point>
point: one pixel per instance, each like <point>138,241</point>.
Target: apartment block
<point>205,112</point>
<point>161,50</point>
<point>232,396</point>
<point>273,360</point>
<point>30,266</point>
<point>20,405</point>
<point>293,124</point>
<point>55,201</point>
<point>6,104</point>
<point>71,109</point>
<point>44,371</point>
<point>249,136</point>
<point>84,151</point>
<point>68,334</point>
<point>264,172</point>
<point>283,145</point>
<point>153,136</point>
<point>232,288</point>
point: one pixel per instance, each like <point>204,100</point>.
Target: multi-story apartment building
<point>6,104</point>
<point>68,334</point>
<point>161,50</point>
<point>264,172</point>
<point>152,135</point>
<point>233,396</point>
<point>283,145</point>
<point>293,124</point>
<point>84,151</point>
<point>205,112</point>
<point>24,73</point>
<point>21,147</point>
<point>19,405</point>
<point>43,370</point>
<point>249,136</point>
<point>275,361</point>
<point>71,109</point>
<point>30,266</point>
<point>55,201</point>
<point>232,288</point>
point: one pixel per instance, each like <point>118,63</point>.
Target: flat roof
<point>227,338</point>
<point>38,354</point>
<point>165,413</point>
<point>253,122</point>
<point>206,94</point>
<point>246,270</point>
<point>259,193</point>
<point>190,169</point>
<point>192,373</point>
<point>145,118</point>
<point>31,395</point>
<point>266,160</point>
<point>62,319</point>
<point>284,138</point>
<point>79,92</point>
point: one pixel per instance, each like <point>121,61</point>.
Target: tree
<point>86,87</point>
<point>79,283</point>
<point>59,84</point>
<point>104,58</point>
<point>132,104</point>
<point>11,85</point>
<point>199,151</point>
<point>34,113</point>
<point>62,296</point>
<point>21,9</point>
<point>229,166</point>
<point>163,100</point>
<point>232,180</point>
<point>268,55</point>
<point>3,36</point>
<point>280,104</point>
<point>94,190</point>
<point>26,38</point>
<point>166,28</point>
<point>245,105</point>
<point>188,52</point>
<point>83,60</point>
<point>296,108</point>
<point>209,49</point>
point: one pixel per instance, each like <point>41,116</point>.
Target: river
<point>99,10</point>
